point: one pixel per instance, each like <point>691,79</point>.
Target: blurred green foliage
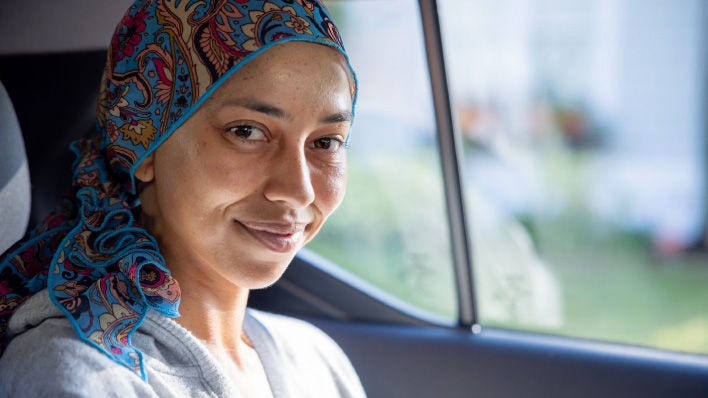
<point>392,231</point>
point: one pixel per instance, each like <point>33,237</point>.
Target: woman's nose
<point>289,180</point>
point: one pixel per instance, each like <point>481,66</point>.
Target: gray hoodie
<point>46,359</point>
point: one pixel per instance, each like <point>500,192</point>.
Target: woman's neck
<point>212,312</point>
<point>214,315</point>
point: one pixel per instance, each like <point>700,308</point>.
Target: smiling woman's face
<point>255,171</point>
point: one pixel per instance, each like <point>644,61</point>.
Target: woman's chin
<point>262,276</point>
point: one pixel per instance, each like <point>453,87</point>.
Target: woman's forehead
<point>291,56</point>
<point>301,66</point>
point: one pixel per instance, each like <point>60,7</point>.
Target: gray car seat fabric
<point>15,193</point>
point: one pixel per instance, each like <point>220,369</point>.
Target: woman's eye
<point>328,144</point>
<point>249,133</point>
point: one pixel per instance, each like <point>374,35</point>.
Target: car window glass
<point>583,126</point>
<point>391,228</point>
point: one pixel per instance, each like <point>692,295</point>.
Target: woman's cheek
<point>334,182</point>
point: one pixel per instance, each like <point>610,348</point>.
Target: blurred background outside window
<point>585,175</point>
<point>584,131</point>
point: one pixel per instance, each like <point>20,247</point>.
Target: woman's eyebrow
<point>258,106</point>
<point>272,110</point>
<point>338,117</point>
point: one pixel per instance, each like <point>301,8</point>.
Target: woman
<point>218,153</point>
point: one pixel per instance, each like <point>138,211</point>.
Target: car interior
<point>397,349</point>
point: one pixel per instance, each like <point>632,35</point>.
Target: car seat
<point>15,194</point>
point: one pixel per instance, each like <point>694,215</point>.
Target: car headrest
<point>15,193</point>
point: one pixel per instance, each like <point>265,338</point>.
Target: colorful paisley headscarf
<point>101,268</point>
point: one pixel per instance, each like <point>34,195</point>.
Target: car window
<point>583,130</point>
<point>392,228</point>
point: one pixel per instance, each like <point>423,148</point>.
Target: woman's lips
<point>278,237</point>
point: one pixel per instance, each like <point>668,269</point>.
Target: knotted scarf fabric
<point>101,268</point>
